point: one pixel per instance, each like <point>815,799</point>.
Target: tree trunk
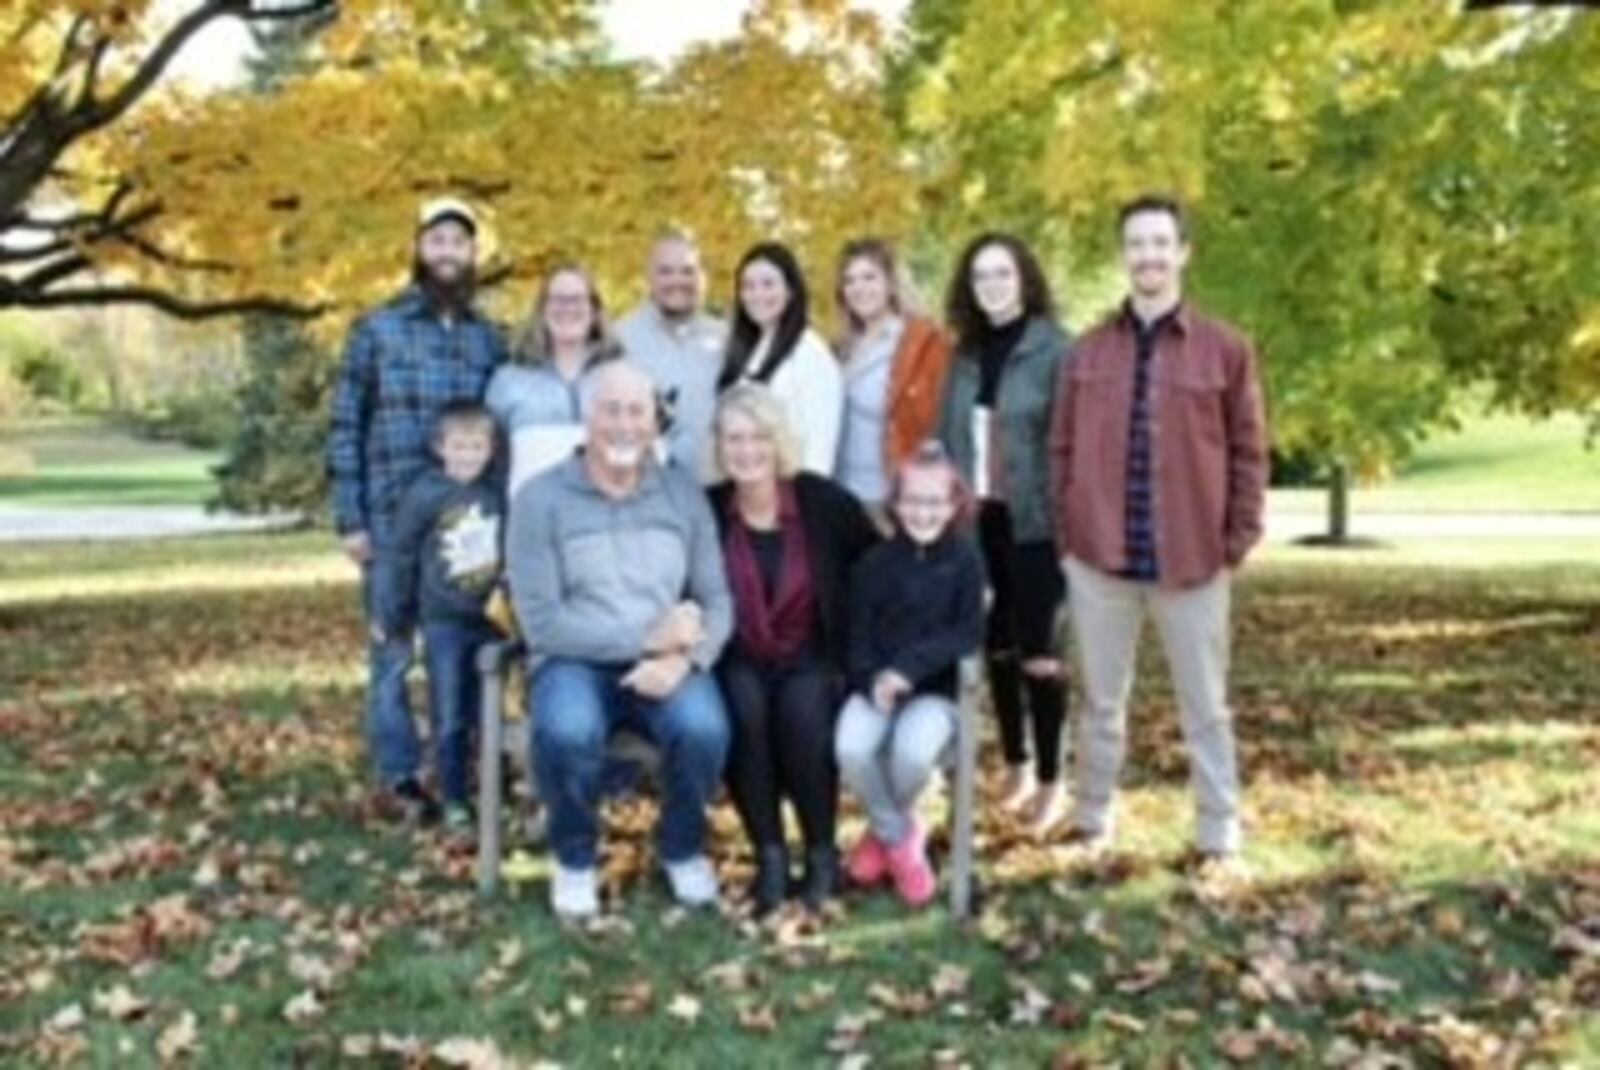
<point>1338,503</point>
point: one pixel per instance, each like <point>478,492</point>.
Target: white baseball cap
<point>440,209</point>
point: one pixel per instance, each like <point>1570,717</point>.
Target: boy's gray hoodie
<point>446,557</point>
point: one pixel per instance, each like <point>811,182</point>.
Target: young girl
<point>916,611</point>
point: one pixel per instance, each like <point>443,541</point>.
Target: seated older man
<point>617,577</point>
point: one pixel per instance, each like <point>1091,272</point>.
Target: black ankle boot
<point>772,879</point>
<point>822,877</point>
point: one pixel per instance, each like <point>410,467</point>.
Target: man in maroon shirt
<point>1159,461</point>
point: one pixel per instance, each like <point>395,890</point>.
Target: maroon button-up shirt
<point>1209,450</point>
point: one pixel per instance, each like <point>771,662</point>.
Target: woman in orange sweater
<point>894,362</point>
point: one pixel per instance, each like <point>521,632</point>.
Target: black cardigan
<point>917,610</point>
<point>838,534</point>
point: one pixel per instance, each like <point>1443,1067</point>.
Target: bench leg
<point>492,735</point>
<point>961,812</point>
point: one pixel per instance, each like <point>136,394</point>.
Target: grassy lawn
<point>190,866</point>
<point>83,461</point>
<point>1495,464</point>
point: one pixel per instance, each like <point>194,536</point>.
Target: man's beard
<point>456,293</point>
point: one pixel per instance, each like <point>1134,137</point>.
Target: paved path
<point>65,523</point>
<point>29,523</point>
<point>1286,526</point>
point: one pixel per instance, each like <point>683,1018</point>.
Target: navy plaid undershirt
<point>1139,519</point>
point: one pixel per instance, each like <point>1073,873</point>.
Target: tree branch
<point>35,138</point>
<point>150,250</point>
<point>174,305</point>
<point>73,263</point>
<point>26,255</point>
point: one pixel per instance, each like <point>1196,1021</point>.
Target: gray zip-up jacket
<point>591,575</point>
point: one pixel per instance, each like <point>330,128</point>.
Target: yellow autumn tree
<point>302,199</point>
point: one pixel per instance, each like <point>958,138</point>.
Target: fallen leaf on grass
<point>66,1019</point>
<point>850,1029</point>
<point>119,1003</point>
<point>632,999</point>
<point>1123,1023</point>
<point>179,1039</point>
<point>950,981</point>
<point>304,1008</point>
<point>1031,1004</point>
<point>762,1019</point>
<point>736,975</point>
<point>685,1008</point>
<point>1144,976</point>
<point>471,1054</point>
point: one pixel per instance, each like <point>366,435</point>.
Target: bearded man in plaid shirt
<point>404,361</point>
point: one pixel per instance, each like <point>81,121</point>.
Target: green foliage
<point>201,420</point>
<point>44,373</point>
<point>1394,199</point>
<point>274,454</point>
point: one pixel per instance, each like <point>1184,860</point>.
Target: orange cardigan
<point>916,389</point>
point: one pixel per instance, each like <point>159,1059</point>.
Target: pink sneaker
<point>867,864</point>
<point>908,864</point>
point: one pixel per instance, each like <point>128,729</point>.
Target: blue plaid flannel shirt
<point>401,365</point>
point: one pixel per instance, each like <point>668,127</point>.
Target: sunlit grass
<point>1419,742</point>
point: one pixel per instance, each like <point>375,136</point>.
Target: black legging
<point>783,721</point>
<point>1028,590</point>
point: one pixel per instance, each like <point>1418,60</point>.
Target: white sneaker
<point>694,882</point>
<point>574,893</point>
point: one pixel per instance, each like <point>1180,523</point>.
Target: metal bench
<point>494,659</point>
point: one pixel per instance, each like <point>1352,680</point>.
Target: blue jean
<point>578,706</point>
<point>449,651</point>
<point>391,732</point>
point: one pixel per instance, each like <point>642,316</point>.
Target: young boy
<point>444,568</point>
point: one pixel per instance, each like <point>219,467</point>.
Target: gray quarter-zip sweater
<point>591,575</point>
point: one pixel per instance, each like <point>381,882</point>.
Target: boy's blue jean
<point>577,706</point>
<point>449,650</point>
<point>391,733</point>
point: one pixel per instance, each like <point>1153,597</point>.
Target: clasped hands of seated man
<point>666,658</point>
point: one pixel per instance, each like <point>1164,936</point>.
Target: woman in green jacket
<point>995,422</point>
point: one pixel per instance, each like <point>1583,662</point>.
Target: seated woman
<point>790,540</point>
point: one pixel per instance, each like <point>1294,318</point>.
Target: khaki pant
<point>1107,613</point>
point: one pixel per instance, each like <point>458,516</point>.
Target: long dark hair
<point>967,320</point>
<point>745,334</point>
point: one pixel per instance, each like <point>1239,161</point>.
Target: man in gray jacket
<point>617,577</point>
<point>680,345</point>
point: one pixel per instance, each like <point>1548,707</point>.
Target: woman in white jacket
<point>771,342</point>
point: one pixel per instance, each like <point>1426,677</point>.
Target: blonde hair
<point>761,407</point>
<point>903,297</point>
